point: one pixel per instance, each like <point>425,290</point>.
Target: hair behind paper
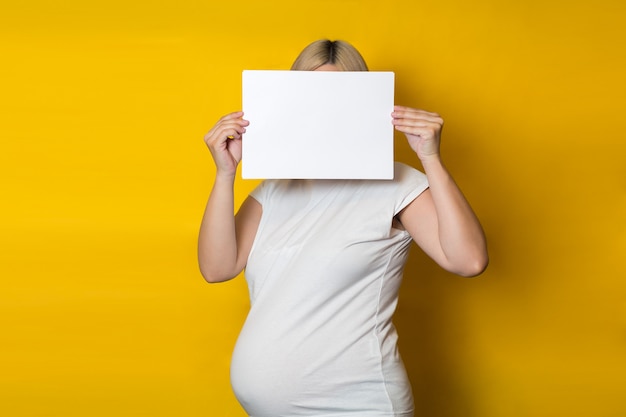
<point>339,53</point>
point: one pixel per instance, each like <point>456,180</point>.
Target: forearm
<point>461,236</point>
<point>217,240</point>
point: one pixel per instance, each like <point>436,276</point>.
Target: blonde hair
<point>324,51</point>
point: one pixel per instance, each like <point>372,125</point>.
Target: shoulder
<point>409,184</point>
<point>274,189</point>
<point>407,177</point>
<point>403,173</point>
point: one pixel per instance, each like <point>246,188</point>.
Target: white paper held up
<point>318,124</point>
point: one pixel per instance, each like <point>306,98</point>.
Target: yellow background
<point>104,177</point>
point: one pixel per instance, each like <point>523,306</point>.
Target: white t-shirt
<point>323,274</point>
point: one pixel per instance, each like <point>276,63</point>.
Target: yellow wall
<point>104,175</point>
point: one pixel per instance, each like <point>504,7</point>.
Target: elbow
<point>212,279</point>
<point>217,270</point>
<point>213,276</point>
<point>475,267</point>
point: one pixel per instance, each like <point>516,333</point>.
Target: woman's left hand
<point>422,129</point>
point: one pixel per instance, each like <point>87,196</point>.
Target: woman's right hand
<point>224,142</point>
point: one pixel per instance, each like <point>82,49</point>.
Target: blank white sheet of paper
<point>318,124</point>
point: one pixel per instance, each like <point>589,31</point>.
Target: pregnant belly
<point>317,374</point>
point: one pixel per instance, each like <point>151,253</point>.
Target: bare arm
<point>225,240</point>
<point>440,220</point>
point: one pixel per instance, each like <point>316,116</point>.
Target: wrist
<point>225,177</point>
<point>430,160</point>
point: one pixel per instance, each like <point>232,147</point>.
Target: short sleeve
<point>410,184</point>
<point>259,192</point>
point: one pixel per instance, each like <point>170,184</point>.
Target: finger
<point>233,131</point>
<point>235,135</point>
<point>227,128</point>
<point>418,115</point>
<point>231,123</point>
<point>417,123</point>
<point>236,117</point>
<point>230,116</point>
<point>405,109</point>
<point>423,132</point>
<point>401,112</point>
<point>435,124</point>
